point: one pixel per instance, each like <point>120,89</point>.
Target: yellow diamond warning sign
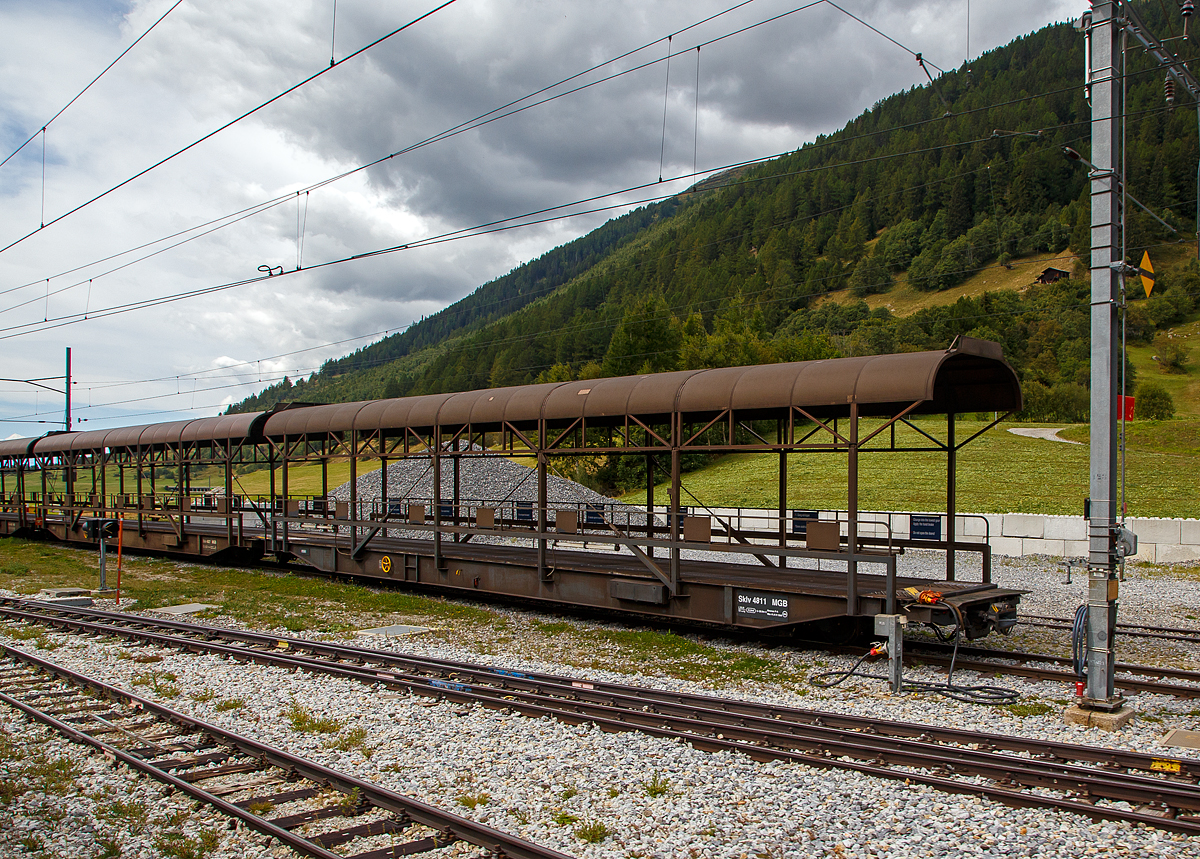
<point>1146,272</point>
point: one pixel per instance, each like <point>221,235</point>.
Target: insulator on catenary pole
<point>1169,90</point>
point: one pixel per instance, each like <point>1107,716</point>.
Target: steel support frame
<point>638,435</point>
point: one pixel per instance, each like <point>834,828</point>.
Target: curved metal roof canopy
<point>970,377</point>
<point>238,427</point>
<point>16,448</point>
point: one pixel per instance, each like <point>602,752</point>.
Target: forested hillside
<point>926,188</point>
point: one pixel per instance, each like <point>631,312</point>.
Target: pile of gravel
<point>486,477</point>
<point>486,480</point>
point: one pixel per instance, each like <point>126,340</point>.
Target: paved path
<point>1049,433</point>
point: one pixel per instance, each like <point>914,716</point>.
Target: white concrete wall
<point>1159,540</point>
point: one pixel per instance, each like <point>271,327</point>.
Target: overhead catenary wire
<point>125,265</point>
<point>697,52</point>
<point>468,125</point>
<point>493,115</point>
<point>833,140</point>
<point>279,377</point>
<point>613,323</point>
<point>270,378</point>
<point>816,215</point>
<point>79,94</point>
<point>101,385</point>
<point>276,378</point>
<point>500,225</point>
<point>25,418</point>
<point>877,31</point>
<point>700,306</point>
<point>247,212</point>
<point>697,49</point>
<point>223,127</point>
<point>316,347</point>
<point>482,119</point>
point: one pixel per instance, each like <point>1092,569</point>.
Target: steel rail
<point>762,736</point>
<point>300,845</point>
<point>1185,674</point>
<point>595,691</point>
<point>485,674</point>
<point>974,659</point>
<point>1134,630</point>
<point>450,826</point>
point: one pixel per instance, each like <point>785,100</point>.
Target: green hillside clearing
<point>999,472</point>
<point>1184,388</point>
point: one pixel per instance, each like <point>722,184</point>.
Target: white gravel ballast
<point>63,800</point>
<point>596,794</point>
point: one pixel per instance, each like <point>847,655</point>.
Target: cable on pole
<point>666,89</point>
<point>696,115</point>
<point>221,128</point>
<point>333,35</point>
<point>933,85</point>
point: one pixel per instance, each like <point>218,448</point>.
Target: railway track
<point>247,780</point>
<point>1152,679</point>
<point>1103,784</point>
<point>1133,630</point>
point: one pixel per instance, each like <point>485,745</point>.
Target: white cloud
<point>765,91</point>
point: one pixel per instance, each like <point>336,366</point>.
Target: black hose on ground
<point>975,694</point>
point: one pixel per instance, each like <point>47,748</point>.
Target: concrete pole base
<point>1105,721</point>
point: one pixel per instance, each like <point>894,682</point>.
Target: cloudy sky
<point>216,213</point>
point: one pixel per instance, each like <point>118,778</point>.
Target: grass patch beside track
<point>266,599</point>
<point>261,598</point>
<point>657,652</point>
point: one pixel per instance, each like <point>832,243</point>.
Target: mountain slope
<point>734,272</point>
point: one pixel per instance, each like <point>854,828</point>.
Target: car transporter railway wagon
<point>685,563</point>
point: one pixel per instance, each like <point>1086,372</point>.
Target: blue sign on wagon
<point>800,520</point>
<point>925,527</point>
<point>524,511</point>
